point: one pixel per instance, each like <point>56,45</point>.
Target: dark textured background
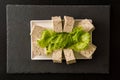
<point>18,38</point>
<point>114,50</point>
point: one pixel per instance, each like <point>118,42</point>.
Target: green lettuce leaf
<point>77,40</point>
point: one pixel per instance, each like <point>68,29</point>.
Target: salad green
<point>77,40</point>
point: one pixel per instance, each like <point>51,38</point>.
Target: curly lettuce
<point>77,40</point>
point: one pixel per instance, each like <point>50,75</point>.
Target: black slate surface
<point>18,39</point>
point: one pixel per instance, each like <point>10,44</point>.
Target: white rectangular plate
<point>48,24</point>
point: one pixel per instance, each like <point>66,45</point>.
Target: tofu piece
<point>57,23</point>
<point>57,56</point>
<point>69,56</point>
<point>57,27</point>
<point>68,23</point>
<point>89,51</point>
<point>35,35</point>
<point>68,26</point>
<point>87,25</point>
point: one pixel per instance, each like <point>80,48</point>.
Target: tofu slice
<point>35,35</point>
<point>57,56</point>
<point>69,56</point>
<point>89,51</point>
<point>87,25</point>
<point>68,23</point>
<point>57,27</point>
<point>68,26</point>
<point>57,23</point>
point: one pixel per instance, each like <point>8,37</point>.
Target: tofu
<point>87,25</point>
<point>57,23</point>
<point>89,51</point>
<point>57,56</point>
<point>68,23</point>
<point>68,26</point>
<point>57,27</point>
<point>35,35</point>
<point>69,56</point>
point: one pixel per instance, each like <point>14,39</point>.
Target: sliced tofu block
<point>35,35</point>
<point>57,56</point>
<point>89,51</point>
<point>57,23</point>
<point>87,25</point>
<point>68,23</point>
<point>69,56</point>
<point>57,27</point>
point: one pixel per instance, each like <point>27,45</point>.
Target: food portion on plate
<point>64,40</point>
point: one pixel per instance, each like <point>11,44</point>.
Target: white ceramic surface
<point>48,24</point>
